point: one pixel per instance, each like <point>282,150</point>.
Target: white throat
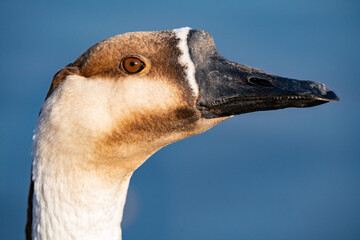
<point>76,194</point>
<point>75,202</point>
<point>66,208</point>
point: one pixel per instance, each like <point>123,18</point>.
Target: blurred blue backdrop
<point>286,174</point>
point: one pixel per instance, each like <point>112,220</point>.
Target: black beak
<point>232,89</point>
<point>227,88</point>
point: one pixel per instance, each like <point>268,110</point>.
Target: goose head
<point>137,92</point>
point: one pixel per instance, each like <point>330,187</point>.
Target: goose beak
<point>228,88</point>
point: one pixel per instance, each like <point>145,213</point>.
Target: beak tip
<point>323,92</point>
<point>331,96</point>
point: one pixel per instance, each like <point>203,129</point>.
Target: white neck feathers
<point>75,195</point>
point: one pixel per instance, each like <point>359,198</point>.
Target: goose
<point>122,100</point>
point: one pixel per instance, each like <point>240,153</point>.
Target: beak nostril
<point>260,82</point>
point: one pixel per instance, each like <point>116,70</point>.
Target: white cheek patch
<point>147,94</point>
<point>97,104</point>
<point>185,60</point>
<point>80,103</point>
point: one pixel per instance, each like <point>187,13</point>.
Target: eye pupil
<point>132,65</point>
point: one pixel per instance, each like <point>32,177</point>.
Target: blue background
<point>286,174</point>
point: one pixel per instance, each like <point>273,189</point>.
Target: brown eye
<point>133,65</point>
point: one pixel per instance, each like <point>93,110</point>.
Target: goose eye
<point>132,65</point>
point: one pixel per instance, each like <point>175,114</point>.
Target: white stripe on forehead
<point>185,60</point>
